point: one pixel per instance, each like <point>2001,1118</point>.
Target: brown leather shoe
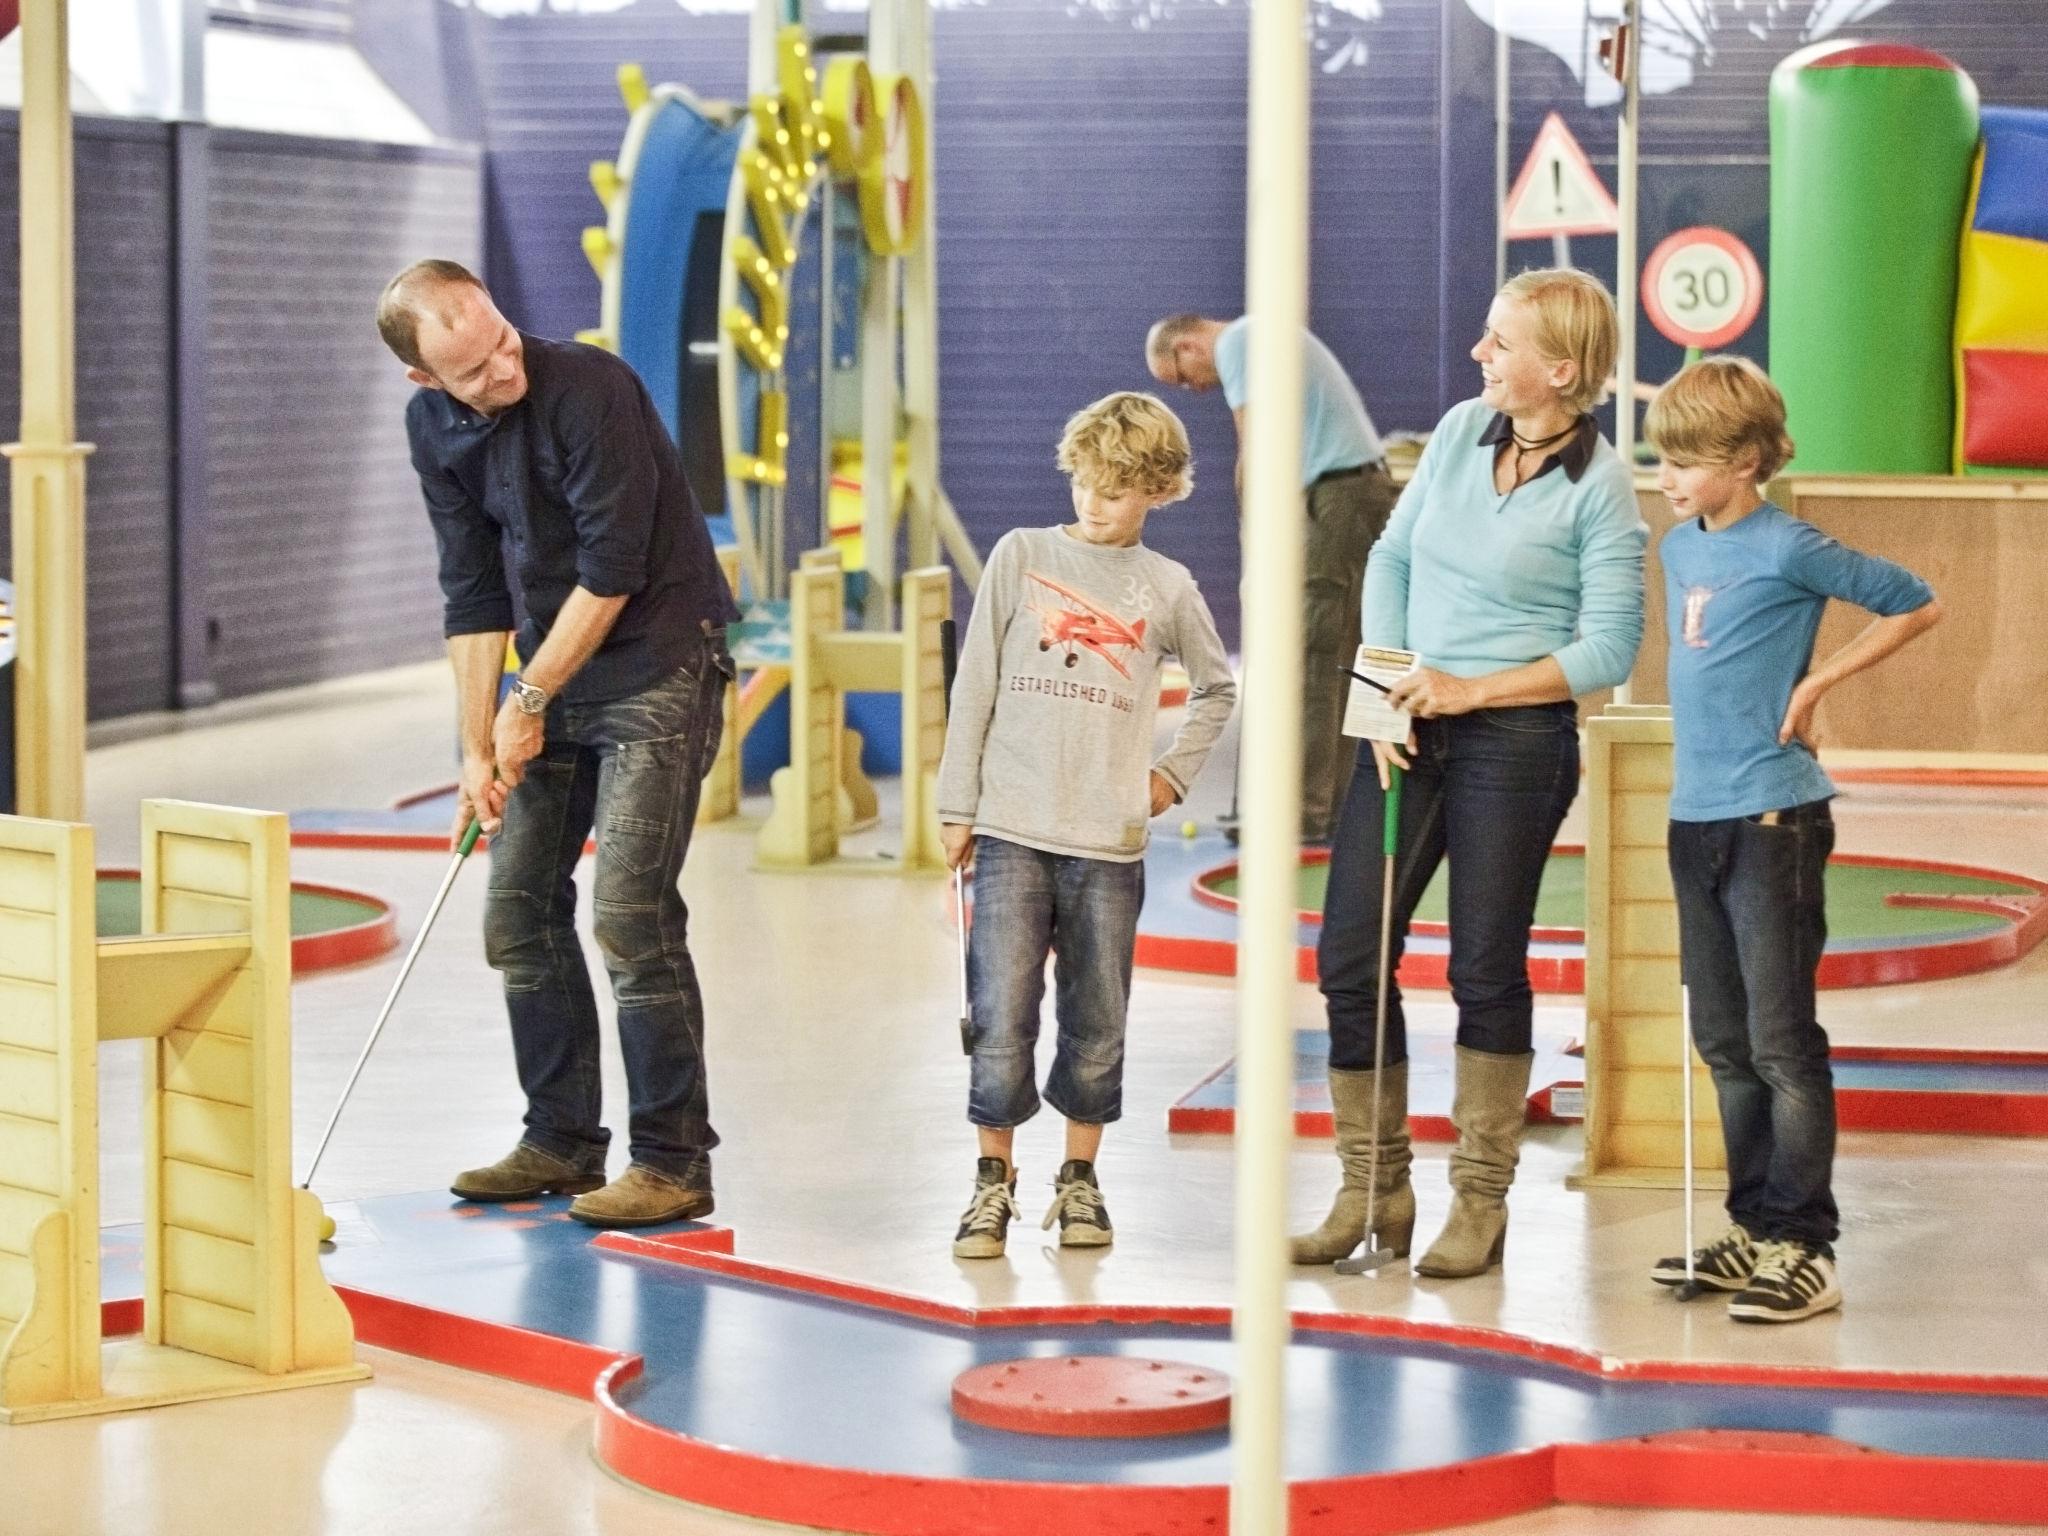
<point>640,1197</point>
<point>524,1173</point>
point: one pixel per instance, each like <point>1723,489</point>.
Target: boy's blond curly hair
<point>1716,408</point>
<point>1129,442</point>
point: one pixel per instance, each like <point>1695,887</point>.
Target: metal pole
<point>879,398</point>
<point>1276,298</point>
<point>48,470</point>
<point>1500,142</point>
<point>1625,255</point>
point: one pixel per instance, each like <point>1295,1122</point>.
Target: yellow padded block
<point>2002,293</point>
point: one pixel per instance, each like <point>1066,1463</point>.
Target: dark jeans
<point>1086,912</point>
<point>1487,791</point>
<point>631,768</point>
<point>1752,922</point>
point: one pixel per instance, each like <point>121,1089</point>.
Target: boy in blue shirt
<point>1745,585</point>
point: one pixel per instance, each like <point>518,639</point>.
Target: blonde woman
<point>1513,567</point>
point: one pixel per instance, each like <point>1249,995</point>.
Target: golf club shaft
<point>960,922</point>
<point>1390,845</point>
<point>1685,1095</point>
<point>419,940</point>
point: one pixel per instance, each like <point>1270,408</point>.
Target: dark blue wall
<point>1090,169</point>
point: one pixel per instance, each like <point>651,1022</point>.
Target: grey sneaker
<point>1077,1206</point>
<point>1723,1265</point>
<point>640,1197</point>
<point>985,1224</point>
<point>523,1174</point>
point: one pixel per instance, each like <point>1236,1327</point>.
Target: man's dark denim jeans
<point>1488,790</point>
<point>631,768</point>
<point>1752,922</point>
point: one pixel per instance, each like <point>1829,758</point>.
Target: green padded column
<point>1870,169</point>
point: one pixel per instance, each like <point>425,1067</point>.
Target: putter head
<point>1692,1290</point>
<point>1367,1262</point>
<point>966,1035</point>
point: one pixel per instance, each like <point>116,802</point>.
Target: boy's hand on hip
<point>516,739</point>
<point>958,841</point>
<point>1163,797</point>
<point>1799,716</point>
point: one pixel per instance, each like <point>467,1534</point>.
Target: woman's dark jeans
<point>1488,791</point>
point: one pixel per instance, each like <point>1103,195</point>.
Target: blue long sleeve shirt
<point>1744,604</point>
<point>1476,582</point>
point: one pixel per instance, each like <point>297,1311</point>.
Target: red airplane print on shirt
<point>1077,624</point>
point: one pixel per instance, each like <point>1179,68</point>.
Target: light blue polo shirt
<point>1743,605</point>
<point>1336,432</point>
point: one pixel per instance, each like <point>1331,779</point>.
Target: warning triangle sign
<point>1558,192</point>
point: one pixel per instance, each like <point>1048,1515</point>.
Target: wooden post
<point>1633,1090</point>
<point>48,467</point>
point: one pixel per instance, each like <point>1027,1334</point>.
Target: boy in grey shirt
<point>1048,786</point>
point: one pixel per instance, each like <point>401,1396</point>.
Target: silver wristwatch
<point>531,697</point>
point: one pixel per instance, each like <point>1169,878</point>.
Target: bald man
<point>547,472</point>
<point>1349,494</point>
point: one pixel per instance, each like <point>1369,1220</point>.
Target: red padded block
<point>1848,55</point>
<point>1093,1396</point>
<point>2005,409</point>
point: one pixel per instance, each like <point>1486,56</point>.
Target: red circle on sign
<point>1674,328</point>
<point>1093,1396</point>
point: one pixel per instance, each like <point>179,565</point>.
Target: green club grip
<point>1390,840</point>
<point>476,830</point>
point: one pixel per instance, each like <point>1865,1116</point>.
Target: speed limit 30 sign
<point>1702,287</point>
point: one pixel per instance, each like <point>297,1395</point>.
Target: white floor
<point>838,1085</point>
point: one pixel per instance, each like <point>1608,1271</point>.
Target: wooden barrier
<point>822,794</point>
<point>233,1297</point>
<point>1633,1090</point>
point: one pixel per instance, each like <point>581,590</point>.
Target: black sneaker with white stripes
<point>1723,1265</point>
<point>1792,1281</point>
<point>1077,1206</point>
<point>985,1224</point>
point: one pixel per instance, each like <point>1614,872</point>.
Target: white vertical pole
<point>1500,142</point>
<point>1625,239</point>
<point>879,396</point>
<point>1276,298</point>
<point>48,479</point>
<point>920,305</point>
<point>1625,255</point>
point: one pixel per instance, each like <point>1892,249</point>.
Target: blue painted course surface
<point>777,1373</point>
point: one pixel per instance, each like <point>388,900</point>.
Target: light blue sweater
<point>1476,582</point>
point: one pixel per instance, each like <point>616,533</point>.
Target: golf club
<point>1375,1256</point>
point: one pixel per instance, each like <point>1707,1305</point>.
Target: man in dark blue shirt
<point>547,470</point>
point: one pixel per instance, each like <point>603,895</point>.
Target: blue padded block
<point>2013,199</point>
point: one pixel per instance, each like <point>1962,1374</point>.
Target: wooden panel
<point>206,1200</point>
<point>204,865</point>
<point>1640,874</point>
<point>1642,1147</point>
<point>28,1014</point>
<point>218,1136</point>
<point>1644,981</point>
<point>29,1153</point>
<point>209,1201</point>
<point>1632,1041</point>
<point>1650,1095</point>
<point>20,1211</point>
<point>1646,927</point>
<point>211,1064</point>
<point>28,1084</point>
<point>28,880</point>
<point>28,945</point>
<point>17,1287</point>
<point>210,1269</point>
<point>1640,819</point>
<point>1635,768</point>
<point>208,1328</point>
<point>191,912</point>
<point>1986,557</point>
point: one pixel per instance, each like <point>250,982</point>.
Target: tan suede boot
<point>1394,1207</point>
<point>1489,1108</point>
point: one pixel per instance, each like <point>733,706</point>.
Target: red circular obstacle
<point>1093,1396</point>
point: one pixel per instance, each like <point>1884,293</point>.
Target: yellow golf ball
<point>1188,829</point>
<point>326,1229</point>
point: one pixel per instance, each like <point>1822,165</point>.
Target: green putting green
<point>1856,898</point>
<point>119,901</point>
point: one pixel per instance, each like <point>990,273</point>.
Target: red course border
<point>337,947</point>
